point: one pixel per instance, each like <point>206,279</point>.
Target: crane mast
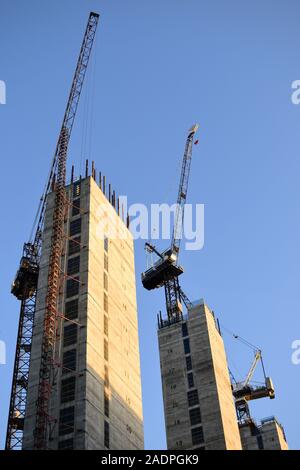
<point>25,283</point>
<point>165,271</point>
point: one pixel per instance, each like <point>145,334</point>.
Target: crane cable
<point>86,107</point>
<point>242,340</point>
<point>92,112</point>
<point>87,124</point>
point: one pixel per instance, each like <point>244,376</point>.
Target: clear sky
<point>159,66</point>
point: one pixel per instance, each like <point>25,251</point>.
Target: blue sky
<point>158,68</point>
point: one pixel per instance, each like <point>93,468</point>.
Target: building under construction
<point>199,408</point>
<point>76,379</point>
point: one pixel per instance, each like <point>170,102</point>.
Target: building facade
<point>198,401</point>
<point>96,397</point>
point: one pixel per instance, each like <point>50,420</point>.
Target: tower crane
<point>166,270</point>
<point>25,284</point>
<point>244,391</point>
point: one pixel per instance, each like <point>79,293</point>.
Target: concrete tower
<point>198,401</point>
<point>96,400</point>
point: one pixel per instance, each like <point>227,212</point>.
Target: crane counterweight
<point>25,284</point>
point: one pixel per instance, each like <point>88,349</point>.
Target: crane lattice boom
<point>165,271</point>
<point>182,191</point>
